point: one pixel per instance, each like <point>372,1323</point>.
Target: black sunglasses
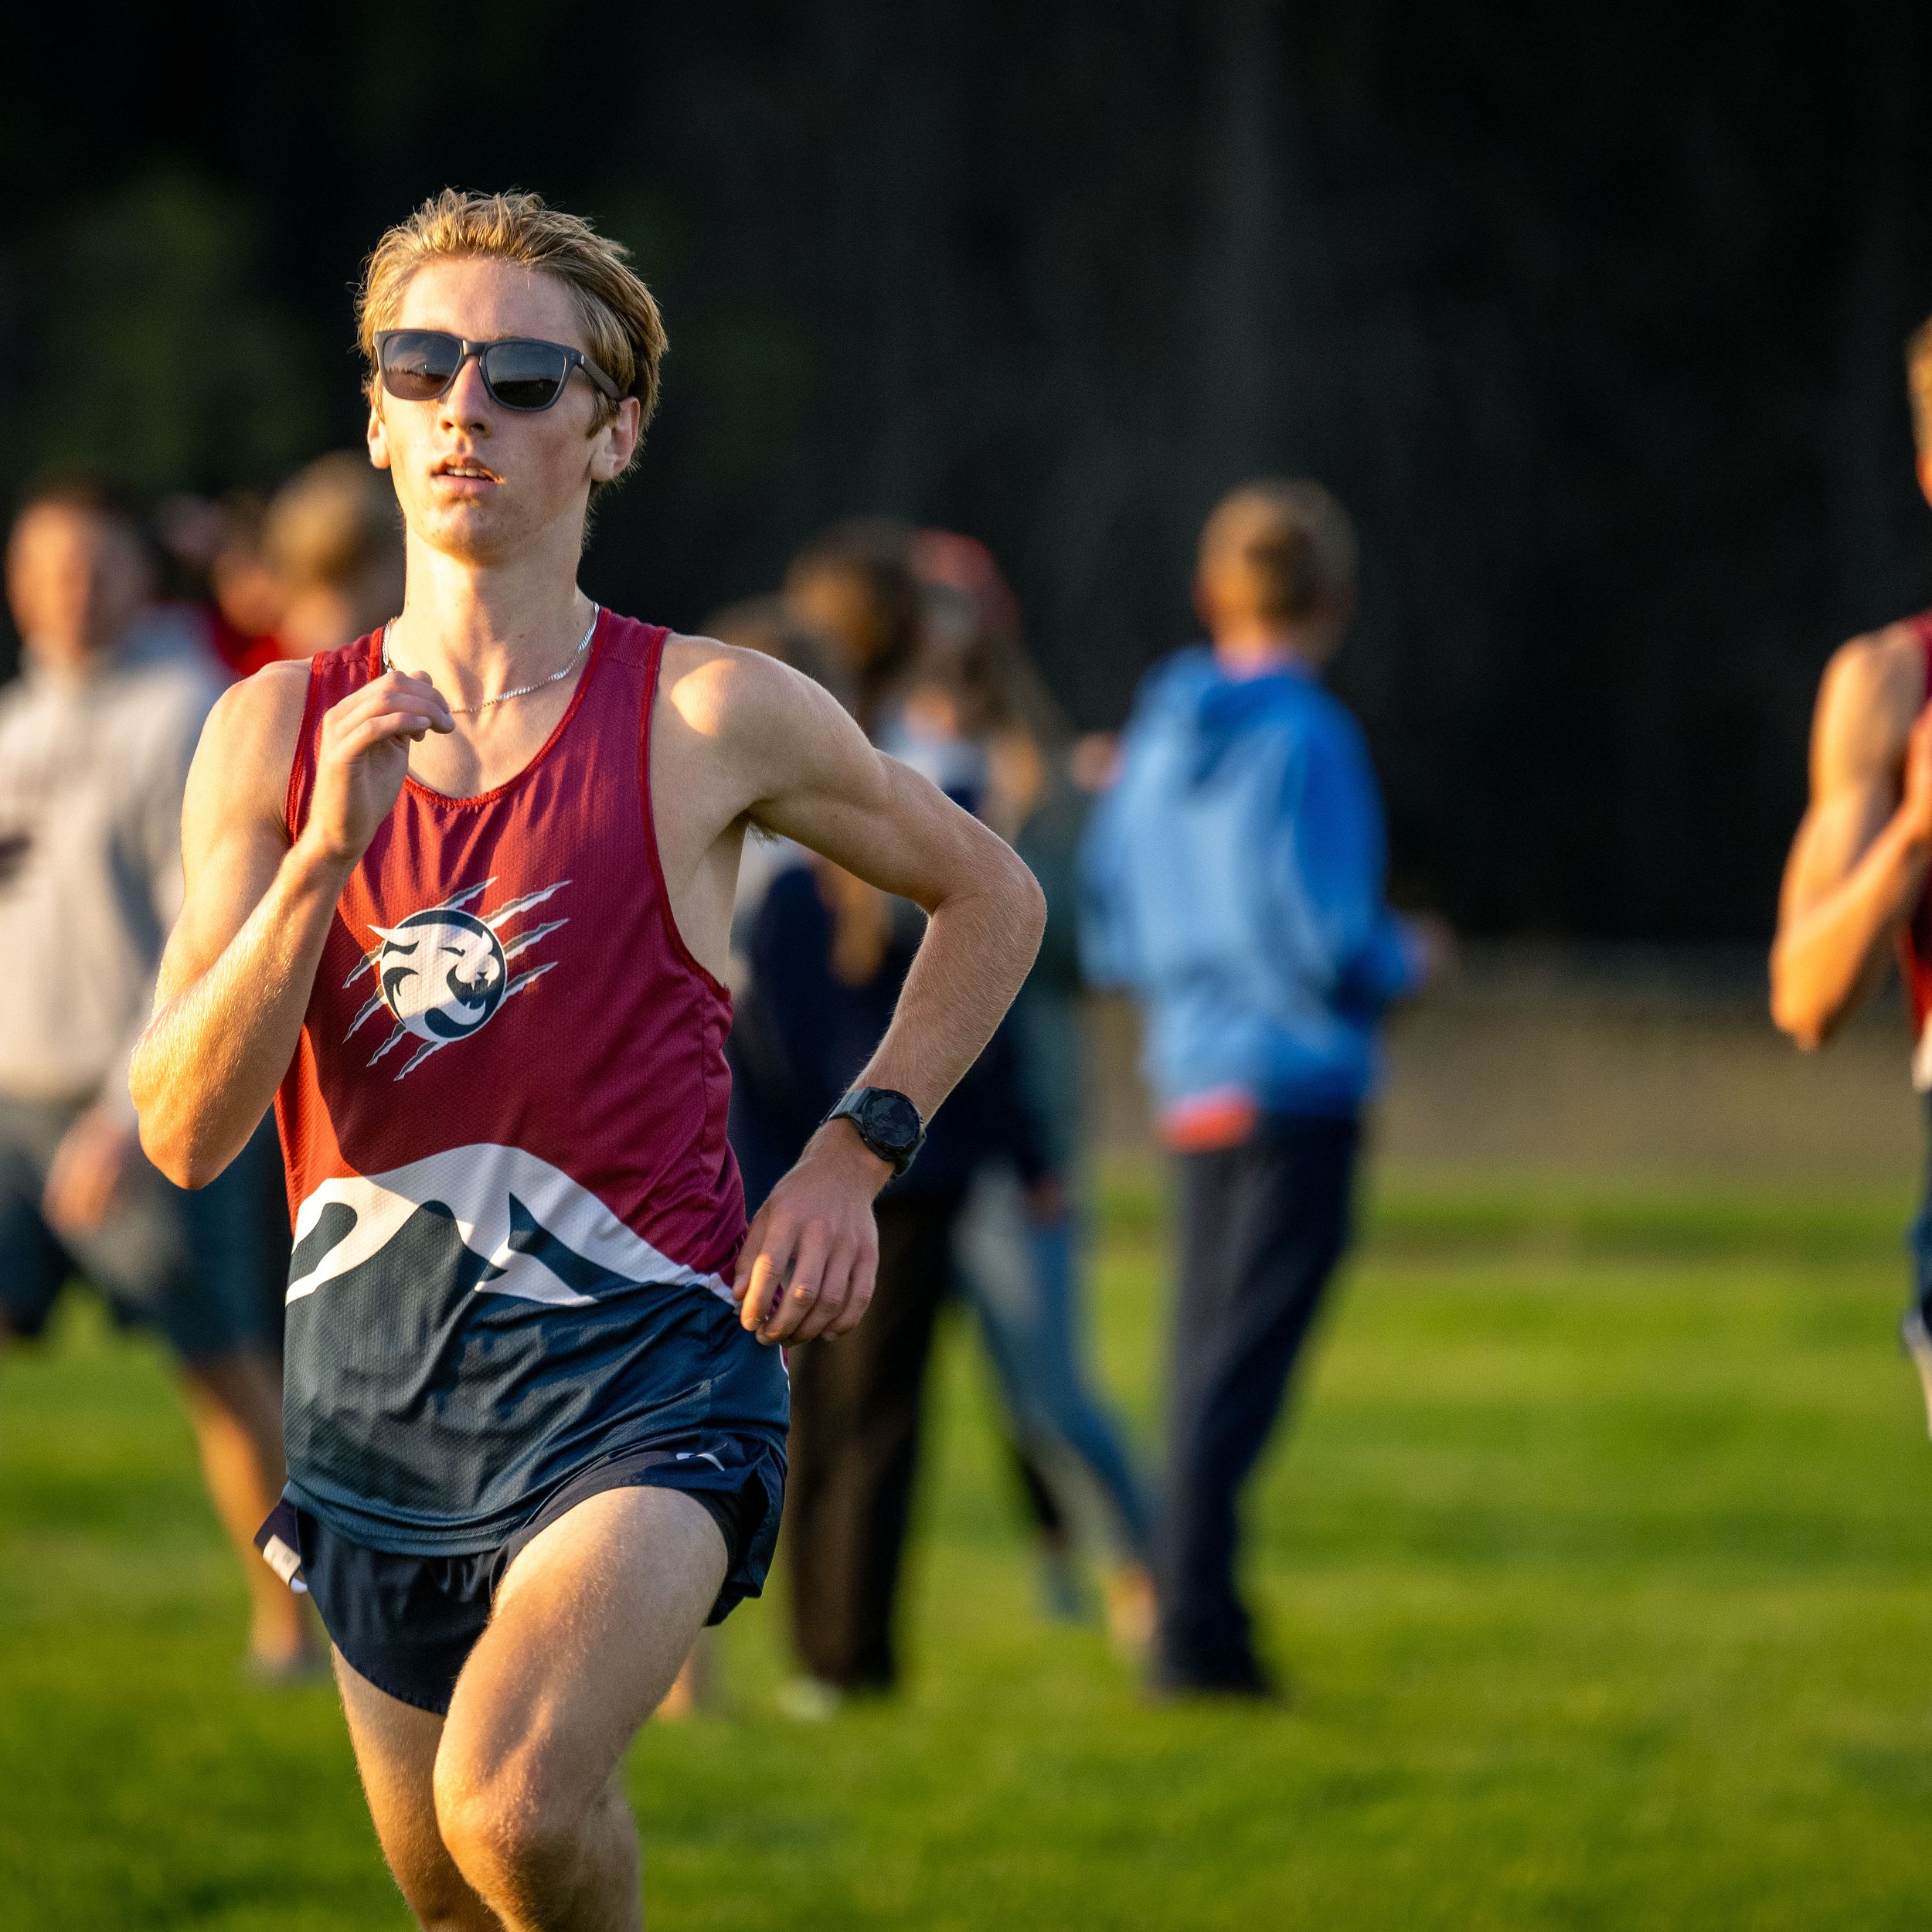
<point>419,365</point>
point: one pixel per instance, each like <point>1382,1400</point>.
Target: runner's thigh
<point>591,1625</point>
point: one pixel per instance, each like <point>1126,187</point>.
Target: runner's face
<point>476,480</point>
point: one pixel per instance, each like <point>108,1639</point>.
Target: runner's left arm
<point>807,1263</point>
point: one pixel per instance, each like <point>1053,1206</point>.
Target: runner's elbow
<point>1030,904</point>
<point>1022,904</point>
<point>1007,906</point>
<point>176,1156</point>
<point>171,1137</point>
<point>1796,1011</point>
<point>1806,1034</point>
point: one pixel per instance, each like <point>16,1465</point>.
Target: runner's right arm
<point>1862,853</point>
<point>236,979</point>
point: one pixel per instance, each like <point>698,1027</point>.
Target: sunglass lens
<point>525,375</point>
<point>417,364</point>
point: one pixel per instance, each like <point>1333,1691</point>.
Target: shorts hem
<point>416,1701</point>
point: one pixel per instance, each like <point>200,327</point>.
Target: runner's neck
<point>476,631</point>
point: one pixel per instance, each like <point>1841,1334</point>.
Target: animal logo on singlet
<point>442,973</point>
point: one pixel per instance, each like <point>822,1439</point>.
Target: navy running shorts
<point>407,1623</point>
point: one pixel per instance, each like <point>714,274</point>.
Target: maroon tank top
<point>516,1208</point>
<point>504,973</point>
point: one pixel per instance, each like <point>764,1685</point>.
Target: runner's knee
<point>509,1827</point>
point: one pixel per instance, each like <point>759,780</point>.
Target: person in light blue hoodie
<point>1232,880</point>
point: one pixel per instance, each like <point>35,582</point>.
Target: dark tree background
<point>1592,315</point>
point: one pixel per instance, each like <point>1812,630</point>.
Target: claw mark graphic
<point>442,973</point>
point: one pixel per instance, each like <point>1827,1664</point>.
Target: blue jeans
<point>1024,1282</point>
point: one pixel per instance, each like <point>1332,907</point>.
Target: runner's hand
<point>363,757</point>
<point>811,1257</point>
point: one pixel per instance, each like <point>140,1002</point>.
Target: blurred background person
<point>332,542</point>
<point>1234,878</point>
<point>825,962</point>
<point>95,740</point>
<point>213,576</point>
<point>853,587</point>
<point>824,956</point>
<point>317,566</point>
<point>1857,883</point>
<point>975,710</point>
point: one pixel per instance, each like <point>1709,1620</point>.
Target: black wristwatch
<point>887,1123</point>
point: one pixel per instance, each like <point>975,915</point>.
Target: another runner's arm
<point>819,782</point>
<point>1861,858</point>
<point>236,978</point>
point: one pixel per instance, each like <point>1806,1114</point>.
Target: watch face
<point>891,1120</point>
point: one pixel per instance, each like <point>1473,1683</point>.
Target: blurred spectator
<point>1234,881</point>
<point>95,741</point>
<point>976,718</point>
<point>199,540</point>
<point>854,587</point>
<point>824,956</point>
<point>973,677</point>
<point>319,566</point>
<point>332,540</point>
<point>825,968</point>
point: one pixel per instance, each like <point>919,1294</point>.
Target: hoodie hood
<point>1197,701</point>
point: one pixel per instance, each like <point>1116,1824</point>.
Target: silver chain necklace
<point>504,697</point>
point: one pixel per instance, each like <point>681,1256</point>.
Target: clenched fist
<point>363,757</point>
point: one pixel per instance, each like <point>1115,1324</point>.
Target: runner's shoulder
<point>737,697</point>
<point>248,745</point>
<point>1873,688</point>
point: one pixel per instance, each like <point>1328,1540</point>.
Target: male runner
<point>458,898</point>
<point>1856,884</point>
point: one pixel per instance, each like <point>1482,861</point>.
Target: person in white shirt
<point>96,736</point>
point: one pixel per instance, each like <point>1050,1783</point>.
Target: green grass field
<point>1601,1553</point>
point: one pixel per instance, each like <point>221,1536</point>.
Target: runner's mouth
<point>466,469</point>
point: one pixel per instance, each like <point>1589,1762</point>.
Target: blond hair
<point>619,314</point>
<point>1291,543</point>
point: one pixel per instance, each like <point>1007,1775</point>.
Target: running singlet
<point>1915,941</point>
<point>515,1209</point>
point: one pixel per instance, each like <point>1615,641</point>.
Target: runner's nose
<point>466,403</point>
